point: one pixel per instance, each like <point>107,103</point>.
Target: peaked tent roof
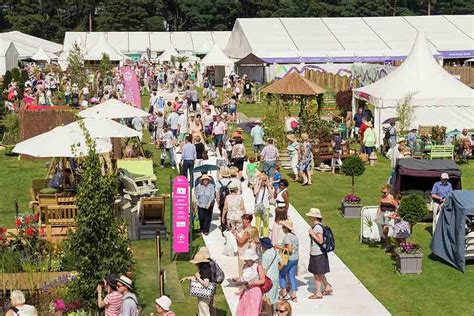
<point>216,57</point>
<point>166,56</point>
<point>421,75</point>
<point>101,47</point>
<point>5,46</point>
<point>294,84</point>
<point>251,61</point>
<point>27,45</point>
<point>41,55</point>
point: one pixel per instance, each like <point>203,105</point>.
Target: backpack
<point>216,272</point>
<point>223,193</point>
<point>139,308</point>
<point>329,244</point>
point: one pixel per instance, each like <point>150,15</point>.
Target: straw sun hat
<point>200,257</point>
<point>314,212</point>
<point>291,137</point>
<point>288,224</point>
<point>304,136</point>
<point>225,173</point>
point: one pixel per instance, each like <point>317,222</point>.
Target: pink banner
<point>131,87</point>
<point>180,215</point>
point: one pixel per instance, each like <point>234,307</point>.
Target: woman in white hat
<point>318,261</point>
<point>203,276</point>
<point>205,193</point>
<point>253,276</point>
<point>163,306</point>
<point>290,245</point>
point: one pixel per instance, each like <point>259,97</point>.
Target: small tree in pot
<point>351,204</point>
<point>409,256</point>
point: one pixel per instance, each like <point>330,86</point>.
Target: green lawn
<point>439,290</point>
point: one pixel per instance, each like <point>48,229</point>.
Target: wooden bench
<point>36,186</point>
<point>61,215</point>
<point>442,151</point>
<point>324,152</point>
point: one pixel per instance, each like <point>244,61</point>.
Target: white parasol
<point>113,109</point>
<point>59,142</point>
<point>103,128</point>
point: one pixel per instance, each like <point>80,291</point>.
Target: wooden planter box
<point>351,210</point>
<point>409,263</point>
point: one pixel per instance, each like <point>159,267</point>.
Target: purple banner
<point>180,215</point>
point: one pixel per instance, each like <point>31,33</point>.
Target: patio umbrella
<point>205,168</point>
<point>113,109</point>
<point>389,120</point>
<point>58,142</point>
<point>103,128</point>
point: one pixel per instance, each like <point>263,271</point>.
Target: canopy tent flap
<point>449,237</point>
<point>421,174</point>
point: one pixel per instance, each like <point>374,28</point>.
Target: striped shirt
<point>113,302</point>
<point>270,153</point>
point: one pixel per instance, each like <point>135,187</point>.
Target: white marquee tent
<point>166,56</point>
<point>362,39</point>
<point>138,42</point>
<point>42,55</point>
<point>8,56</point>
<point>438,97</point>
<point>222,64</point>
<point>102,46</point>
<point>28,45</point>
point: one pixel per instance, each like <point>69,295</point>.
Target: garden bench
<point>61,215</point>
<point>442,151</point>
<point>324,152</point>
<point>36,186</point>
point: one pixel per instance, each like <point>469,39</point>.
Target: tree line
<point>52,18</point>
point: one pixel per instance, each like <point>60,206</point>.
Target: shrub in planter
<point>412,209</point>
<point>353,167</point>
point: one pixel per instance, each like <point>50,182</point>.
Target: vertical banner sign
<point>180,215</point>
<point>131,87</point>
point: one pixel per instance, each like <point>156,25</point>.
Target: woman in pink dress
<point>253,276</point>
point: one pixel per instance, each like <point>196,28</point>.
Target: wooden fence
<point>466,73</point>
<point>329,81</point>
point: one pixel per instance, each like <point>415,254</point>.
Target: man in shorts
<point>257,134</point>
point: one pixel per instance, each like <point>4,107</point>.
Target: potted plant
<point>353,167</point>
<point>351,206</point>
<point>409,258</point>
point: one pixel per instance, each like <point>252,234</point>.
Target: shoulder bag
<point>199,290</point>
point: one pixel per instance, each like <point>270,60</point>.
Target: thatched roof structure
<point>294,84</point>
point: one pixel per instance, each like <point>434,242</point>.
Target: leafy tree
<point>23,79</point>
<point>7,79</point>
<point>353,167</point>
<point>405,112</point>
<point>76,65</point>
<point>344,101</point>
<point>16,74</point>
<point>130,15</point>
<point>105,66</point>
<point>99,245</point>
<point>412,208</point>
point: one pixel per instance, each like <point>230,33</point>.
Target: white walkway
<point>350,295</point>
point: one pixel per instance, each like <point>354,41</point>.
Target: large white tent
<point>8,56</point>
<point>139,42</point>
<point>28,45</point>
<point>102,46</point>
<point>361,39</point>
<point>42,55</point>
<point>437,96</point>
<point>222,64</point>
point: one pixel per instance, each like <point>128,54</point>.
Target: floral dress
<point>305,159</point>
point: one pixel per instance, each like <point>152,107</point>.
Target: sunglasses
<point>281,310</point>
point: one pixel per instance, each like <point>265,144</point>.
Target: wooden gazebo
<point>294,84</point>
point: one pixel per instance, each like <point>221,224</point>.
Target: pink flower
<point>29,231</point>
<point>59,305</point>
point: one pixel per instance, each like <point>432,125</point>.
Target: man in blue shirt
<point>187,157</point>
<point>440,191</point>
<point>257,134</point>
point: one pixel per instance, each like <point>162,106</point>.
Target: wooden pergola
<point>296,86</point>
